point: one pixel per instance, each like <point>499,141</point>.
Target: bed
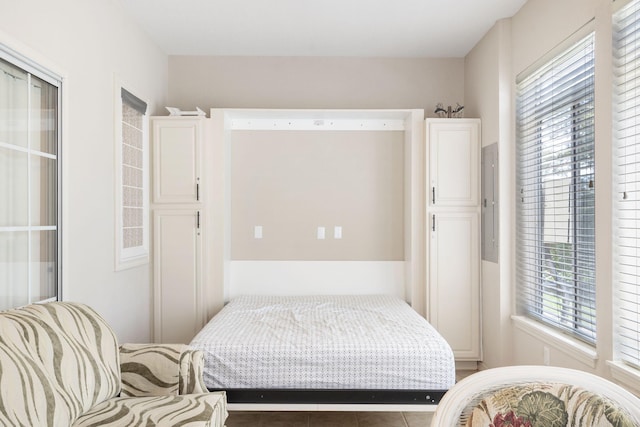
<point>325,349</point>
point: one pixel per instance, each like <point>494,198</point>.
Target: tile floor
<point>329,419</point>
<point>333,419</point>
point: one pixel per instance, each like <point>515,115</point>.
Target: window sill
<point>625,375</point>
<point>574,348</point>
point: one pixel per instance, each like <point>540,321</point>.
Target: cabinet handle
<point>433,223</point>
<point>433,195</point>
<point>197,192</point>
<point>198,220</point>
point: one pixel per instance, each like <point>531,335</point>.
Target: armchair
<point>536,396</point>
<point>60,365</point>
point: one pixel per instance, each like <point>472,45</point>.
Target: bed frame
<point>333,400</point>
<point>331,396</point>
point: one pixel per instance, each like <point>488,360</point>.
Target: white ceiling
<point>363,28</point>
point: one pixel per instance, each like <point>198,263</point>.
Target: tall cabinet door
<point>177,276</point>
<point>453,240</point>
<point>454,272</point>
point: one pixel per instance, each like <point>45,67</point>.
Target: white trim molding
<point>572,347</point>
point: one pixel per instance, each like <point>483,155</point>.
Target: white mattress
<point>324,342</point>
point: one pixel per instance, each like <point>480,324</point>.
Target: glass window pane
<point>13,188</point>
<point>29,181</point>
<point>44,113</point>
<point>13,105</point>
<point>43,191</point>
<point>44,255</point>
<point>14,269</point>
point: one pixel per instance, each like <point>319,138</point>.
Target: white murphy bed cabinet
<point>178,232</point>
<point>453,235</point>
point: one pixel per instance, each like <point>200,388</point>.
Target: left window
<point>30,196</point>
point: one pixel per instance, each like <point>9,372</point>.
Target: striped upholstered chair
<point>60,365</point>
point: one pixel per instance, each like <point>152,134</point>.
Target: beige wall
<point>488,95</point>
<point>308,82</point>
<point>91,44</point>
<point>535,30</point>
<point>291,182</point>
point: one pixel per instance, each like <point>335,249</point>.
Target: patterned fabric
<point>324,342</point>
<point>60,361</point>
<point>548,405</point>
<point>160,369</point>
<point>161,411</point>
<point>192,372</point>
<point>77,348</point>
<point>28,397</point>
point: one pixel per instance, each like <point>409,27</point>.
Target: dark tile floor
<point>329,419</point>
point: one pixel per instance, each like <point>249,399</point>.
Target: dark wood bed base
<point>298,396</point>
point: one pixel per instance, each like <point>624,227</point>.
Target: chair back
<point>536,396</point>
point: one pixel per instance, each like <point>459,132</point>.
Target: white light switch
<point>257,232</point>
<point>320,233</point>
<point>337,232</point>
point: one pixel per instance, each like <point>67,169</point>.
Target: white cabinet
<point>177,144</point>
<point>178,233</point>
<point>454,272</point>
<point>177,275</point>
<point>454,162</point>
<point>453,241</point>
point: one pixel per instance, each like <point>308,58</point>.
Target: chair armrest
<point>192,372</point>
<point>160,369</point>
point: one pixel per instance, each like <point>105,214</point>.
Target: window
<point>132,229</point>
<point>627,183</point>
<point>29,182</point>
<point>555,241</point>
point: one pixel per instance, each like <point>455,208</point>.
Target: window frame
<point>530,268</point>
<point>126,258</point>
<point>35,69</point>
<point>626,366</point>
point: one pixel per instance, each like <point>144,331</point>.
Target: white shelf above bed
<point>317,120</point>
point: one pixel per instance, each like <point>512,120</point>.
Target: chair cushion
<point>548,405</point>
<point>206,409</point>
<point>150,370</point>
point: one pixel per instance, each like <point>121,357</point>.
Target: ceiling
<point>360,28</point>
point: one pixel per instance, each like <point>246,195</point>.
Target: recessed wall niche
<point>290,182</point>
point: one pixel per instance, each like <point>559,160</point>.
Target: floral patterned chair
<point>536,396</point>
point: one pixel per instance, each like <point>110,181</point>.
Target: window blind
<point>556,199</point>
<point>133,171</point>
<point>626,40</point>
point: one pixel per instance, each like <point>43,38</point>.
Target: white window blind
<point>556,198</point>
<point>132,225</point>
<point>133,111</point>
<point>627,185</point>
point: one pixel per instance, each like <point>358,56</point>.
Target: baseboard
<point>466,365</point>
